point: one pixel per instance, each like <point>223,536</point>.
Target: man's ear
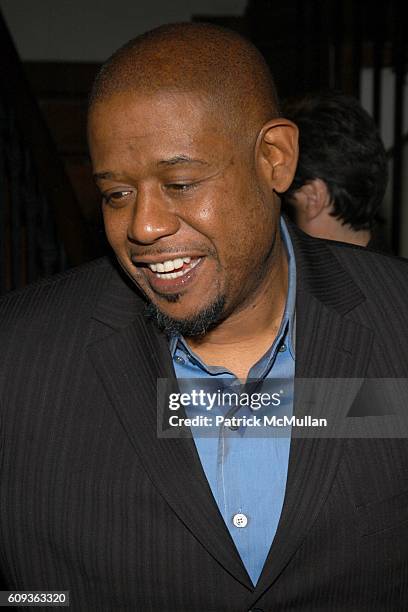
<point>277,153</point>
<point>312,199</point>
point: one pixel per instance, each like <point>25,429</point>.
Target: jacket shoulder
<point>372,270</point>
<point>58,294</point>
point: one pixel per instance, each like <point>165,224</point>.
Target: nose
<point>152,218</point>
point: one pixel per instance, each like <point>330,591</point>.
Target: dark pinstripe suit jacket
<point>94,502</point>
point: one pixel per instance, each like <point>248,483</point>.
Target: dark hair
<point>339,143</point>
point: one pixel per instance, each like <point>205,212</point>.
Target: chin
<point>195,324</point>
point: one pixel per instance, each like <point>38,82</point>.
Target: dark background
<point>50,52</point>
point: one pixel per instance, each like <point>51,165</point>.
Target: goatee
<point>197,325</point>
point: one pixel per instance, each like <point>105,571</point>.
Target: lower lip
<point>174,285</point>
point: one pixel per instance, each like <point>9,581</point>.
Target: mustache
<point>179,251</point>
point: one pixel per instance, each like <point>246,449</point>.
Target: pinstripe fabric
<point>92,501</point>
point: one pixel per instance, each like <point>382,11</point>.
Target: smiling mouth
<point>171,269</point>
<point>174,268</point>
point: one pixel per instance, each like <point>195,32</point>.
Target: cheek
<point>206,213</point>
<point>248,240</point>
<point>116,229</point>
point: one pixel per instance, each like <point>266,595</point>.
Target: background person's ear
<point>311,199</point>
<point>277,153</point>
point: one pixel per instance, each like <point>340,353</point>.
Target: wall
<point>90,30</point>
<point>387,127</point>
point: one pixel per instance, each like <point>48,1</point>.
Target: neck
<point>243,337</point>
<point>332,229</point>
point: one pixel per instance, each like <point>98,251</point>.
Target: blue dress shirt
<point>246,467</point>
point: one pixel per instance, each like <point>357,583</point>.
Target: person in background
<point>341,175</point>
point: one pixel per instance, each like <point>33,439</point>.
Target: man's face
<point>184,208</point>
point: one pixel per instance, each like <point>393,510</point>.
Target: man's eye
<point>116,197</point>
<point>181,187</point>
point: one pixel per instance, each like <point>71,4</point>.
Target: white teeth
<point>176,274</point>
<point>169,265</point>
<point>171,275</point>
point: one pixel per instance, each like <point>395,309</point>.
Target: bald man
<point>173,436</point>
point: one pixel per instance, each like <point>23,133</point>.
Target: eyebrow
<point>171,161</point>
<point>103,175</point>
<point>181,159</point>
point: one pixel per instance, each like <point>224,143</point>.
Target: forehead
<point>158,124</point>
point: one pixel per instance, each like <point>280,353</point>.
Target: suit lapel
<point>328,345</point>
<point>129,359</point>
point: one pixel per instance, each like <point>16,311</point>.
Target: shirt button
<point>180,360</point>
<point>240,520</point>
<point>282,348</point>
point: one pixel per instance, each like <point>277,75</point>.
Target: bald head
<point>225,70</point>
<point>189,155</point>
